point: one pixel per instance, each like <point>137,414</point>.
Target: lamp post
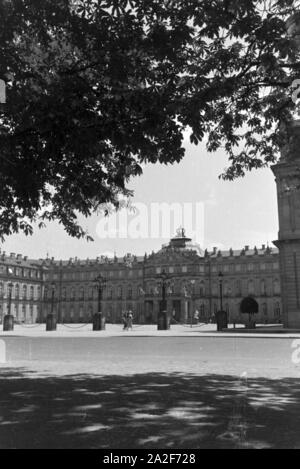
<point>192,298</point>
<point>163,322</point>
<point>98,318</point>
<point>221,290</point>
<point>8,321</point>
<point>222,320</point>
<point>51,320</point>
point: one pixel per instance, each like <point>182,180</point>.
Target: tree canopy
<point>97,88</point>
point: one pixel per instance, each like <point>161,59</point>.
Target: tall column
<point>287,173</point>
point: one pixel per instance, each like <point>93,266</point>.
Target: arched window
<point>251,289</point>
<point>24,292</point>
<point>276,287</point>
<point>277,310</point>
<point>31,313</point>
<point>31,292</point>
<point>17,291</point>
<point>226,288</point>
<point>215,289</point>
<point>263,287</point>
<point>265,309</point>
<point>109,293</point>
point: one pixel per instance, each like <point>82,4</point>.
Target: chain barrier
<point>76,327</point>
<point>27,326</point>
<point>185,325</point>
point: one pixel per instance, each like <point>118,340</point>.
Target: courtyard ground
<point>149,390</point>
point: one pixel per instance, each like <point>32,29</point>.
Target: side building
<point>21,287</point>
<point>193,279</point>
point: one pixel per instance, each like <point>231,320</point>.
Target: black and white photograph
<point>149,227</point>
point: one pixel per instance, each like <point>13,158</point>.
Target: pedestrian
<point>125,322</point>
<point>129,320</point>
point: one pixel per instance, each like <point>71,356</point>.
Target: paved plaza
<point>114,389</point>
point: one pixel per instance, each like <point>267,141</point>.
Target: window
<point>276,287</point>
<point>184,269</point>
<point>120,293</point>
<point>238,267</point>
<point>64,293</point>
<point>250,267</point>
<point>109,293</point>
<point>251,289</point>
<point>238,287</point>
<point>265,309</point>
<point>171,270</point>
<point>202,289</point>
<point>24,292</point>
<point>31,293</point>
<point>158,270</point>
<point>17,291</point>
<point>277,310</point>
<point>81,293</point>
<point>263,287</point>
<point>31,312</point>
<point>1,289</point>
<point>73,294</point>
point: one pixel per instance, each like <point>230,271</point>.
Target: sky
<point>215,213</point>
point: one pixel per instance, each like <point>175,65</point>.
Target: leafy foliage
<point>96,88</point>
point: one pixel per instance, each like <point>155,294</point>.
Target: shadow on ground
<point>147,411</point>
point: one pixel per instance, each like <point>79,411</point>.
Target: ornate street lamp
<point>51,320</point>
<point>163,322</point>
<point>222,320</point>
<point>192,298</point>
<point>221,276</point>
<point>98,318</point>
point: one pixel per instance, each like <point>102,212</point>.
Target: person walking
<point>129,320</point>
<point>125,322</point>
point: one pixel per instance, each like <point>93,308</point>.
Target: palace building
<point>193,280</point>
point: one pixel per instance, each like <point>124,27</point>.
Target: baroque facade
<point>192,278</point>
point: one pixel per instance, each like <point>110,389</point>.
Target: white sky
<point>235,214</point>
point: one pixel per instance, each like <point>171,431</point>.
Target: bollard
<point>51,323</point>
<point>8,323</point>
<point>98,322</point>
<point>163,321</point>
